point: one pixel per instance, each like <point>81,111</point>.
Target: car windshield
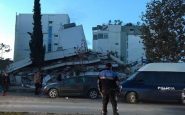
<point>132,76</point>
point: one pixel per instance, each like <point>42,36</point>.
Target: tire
<point>93,94</point>
<point>131,97</point>
<point>53,93</point>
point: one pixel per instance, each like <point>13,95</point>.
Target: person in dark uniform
<point>108,88</point>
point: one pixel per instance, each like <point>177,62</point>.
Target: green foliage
<point>4,63</point>
<point>4,49</point>
<point>163,31</point>
<point>36,43</point>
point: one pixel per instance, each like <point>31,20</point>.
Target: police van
<point>156,82</point>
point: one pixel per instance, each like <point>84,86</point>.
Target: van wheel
<point>131,97</point>
<point>53,93</point>
<point>93,94</point>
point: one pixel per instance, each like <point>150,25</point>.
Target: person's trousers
<point>5,89</point>
<point>37,86</point>
<point>111,95</point>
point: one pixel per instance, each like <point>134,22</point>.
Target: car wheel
<point>131,97</point>
<point>53,93</point>
<point>93,94</point>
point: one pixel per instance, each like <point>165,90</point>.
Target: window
<point>146,77</point>
<point>95,37</point>
<point>69,81</point>
<point>161,78</point>
<point>175,77</point>
<point>105,36</point>
<point>79,80</point>
<point>131,29</point>
<point>100,36</point>
<point>55,35</point>
<point>50,22</point>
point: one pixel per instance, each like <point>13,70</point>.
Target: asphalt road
<point>31,103</point>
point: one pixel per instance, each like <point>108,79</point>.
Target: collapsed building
<point>66,54</point>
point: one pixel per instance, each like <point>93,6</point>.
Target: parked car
<point>27,82</point>
<point>74,86</point>
<point>156,82</point>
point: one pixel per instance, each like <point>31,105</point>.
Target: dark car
<point>75,86</point>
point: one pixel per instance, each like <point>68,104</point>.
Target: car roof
<point>170,67</point>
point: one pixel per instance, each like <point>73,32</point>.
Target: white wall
<point>135,48</point>
<point>24,25</point>
<point>104,45</point>
<point>72,37</point>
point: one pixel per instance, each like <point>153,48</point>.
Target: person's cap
<point>108,65</point>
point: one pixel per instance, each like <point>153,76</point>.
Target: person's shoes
<point>103,113</point>
<point>116,113</point>
<point>4,94</point>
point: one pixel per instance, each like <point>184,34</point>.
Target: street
<point>63,105</point>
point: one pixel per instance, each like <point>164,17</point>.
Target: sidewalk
<point>22,101</point>
<point>29,104</point>
<point>20,89</point>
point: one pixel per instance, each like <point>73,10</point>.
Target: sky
<point>88,13</point>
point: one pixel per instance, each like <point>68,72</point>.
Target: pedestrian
<point>5,83</point>
<point>108,87</point>
<point>37,82</point>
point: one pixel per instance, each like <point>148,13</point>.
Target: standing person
<point>5,83</point>
<point>37,81</point>
<point>108,87</point>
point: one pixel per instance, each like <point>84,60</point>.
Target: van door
<point>144,85</point>
<point>168,86</point>
<point>173,85</point>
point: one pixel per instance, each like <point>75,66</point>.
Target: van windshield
<point>131,77</point>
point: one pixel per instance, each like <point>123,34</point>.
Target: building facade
<point>123,42</point>
<point>58,34</point>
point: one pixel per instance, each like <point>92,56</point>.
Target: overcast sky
<point>88,13</point>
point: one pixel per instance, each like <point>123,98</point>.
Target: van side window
<point>176,77</point>
<point>168,78</point>
<point>150,78</point>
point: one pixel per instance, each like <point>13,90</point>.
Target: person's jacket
<point>107,81</point>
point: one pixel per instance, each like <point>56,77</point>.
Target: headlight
<point>45,88</point>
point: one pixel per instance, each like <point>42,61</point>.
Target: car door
<point>72,86</point>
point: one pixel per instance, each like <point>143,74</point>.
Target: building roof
<point>167,67</point>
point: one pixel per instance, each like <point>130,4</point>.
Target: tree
<point>4,63</point>
<point>36,43</point>
<point>163,31</point>
<point>4,49</point>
